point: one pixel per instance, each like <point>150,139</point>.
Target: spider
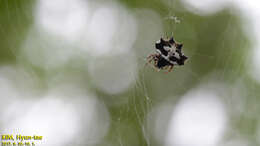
<point>168,53</point>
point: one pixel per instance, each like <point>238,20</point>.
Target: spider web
<point>226,75</point>
<point>132,123</point>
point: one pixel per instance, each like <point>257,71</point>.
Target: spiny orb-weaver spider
<point>168,53</point>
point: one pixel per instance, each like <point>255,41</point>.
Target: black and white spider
<point>168,53</point>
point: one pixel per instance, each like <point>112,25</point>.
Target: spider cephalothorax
<point>168,53</point>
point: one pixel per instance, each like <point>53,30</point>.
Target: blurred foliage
<point>15,19</point>
<point>214,43</point>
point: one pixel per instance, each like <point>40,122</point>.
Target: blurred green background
<point>96,50</point>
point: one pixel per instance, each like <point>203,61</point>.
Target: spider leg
<point>153,60</point>
<point>165,67</point>
<point>169,68</point>
<point>153,65</point>
<point>149,59</point>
